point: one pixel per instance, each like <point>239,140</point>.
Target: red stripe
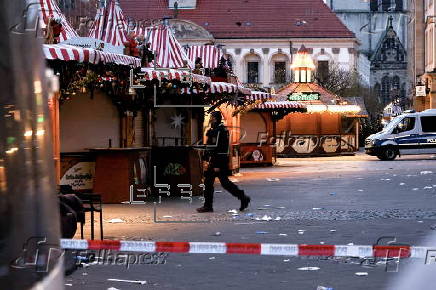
<point>238,248</point>
<point>53,53</point>
<point>316,250</point>
<point>104,244</point>
<point>76,54</point>
<point>65,55</point>
<point>391,251</point>
<point>172,247</point>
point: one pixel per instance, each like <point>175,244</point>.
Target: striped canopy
<point>50,9</point>
<point>210,55</point>
<point>168,51</point>
<point>110,25</point>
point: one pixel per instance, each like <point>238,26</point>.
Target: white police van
<point>409,131</point>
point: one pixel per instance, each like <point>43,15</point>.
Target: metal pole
<point>29,208</point>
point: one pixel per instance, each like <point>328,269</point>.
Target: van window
<point>428,123</point>
<point>406,124</point>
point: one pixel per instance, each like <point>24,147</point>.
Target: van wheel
<point>388,153</point>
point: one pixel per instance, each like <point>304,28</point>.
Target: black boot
<point>245,200</point>
<point>204,209</point>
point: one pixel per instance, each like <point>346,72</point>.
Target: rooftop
<point>250,18</point>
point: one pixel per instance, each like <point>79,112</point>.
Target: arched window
<point>396,83</point>
<point>280,65</point>
<point>385,88</point>
<point>253,68</point>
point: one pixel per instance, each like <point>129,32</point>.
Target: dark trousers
<point>209,180</point>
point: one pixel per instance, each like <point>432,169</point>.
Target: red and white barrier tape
<point>386,251</point>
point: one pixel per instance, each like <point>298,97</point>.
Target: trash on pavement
<point>249,214</point>
<point>286,260</point>
<point>316,208</point>
<point>273,179</point>
<point>332,231</point>
<point>415,189</point>
<point>217,234</point>
<point>277,218</point>
<point>324,288</point>
<point>428,187</point>
<point>115,221</point>
<point>332,193</point>
<point>280,207</point>
<point>361,273</point>
<point>128,281</point>
<point>308,268</point>
<point>350,244</point>
<point>211,258</point>
<point>283,235</point>
<point>218,191</point>
<point>261,232</point>
<point>68,284</point>
<point>266,205</point>
<point>426,172</point>
<point>301,232</point>
<point>402,183</point>
<point>266,218</point>
<point>360,190</point>
<point>261,208</point>
<point>112,288</point>
<point>232,211</point>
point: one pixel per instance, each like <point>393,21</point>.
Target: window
<point>385,89</point>
<point>374,5</point>
<point>406,124</point>
<point>399,5</point>
<point>67,4</point>
<point>396,83</point>
<point>386,4</point>
<point>253,72</point>
<point>280,72</point>
<point>428,124</point>
<point>323,70</point>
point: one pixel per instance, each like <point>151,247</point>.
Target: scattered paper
<point>360,190</point>
<point>217,234</point>
<point>308,268</point>
<point>415,189</point>
<point>266,205</point>
<point>402,183</point>
<point>266,218</point>
<point>280,207</point>
<point>112,288</point>
<point>85,274</point>
<point>261,208</point>
<point>286,260</point>
<point>332,231</point>
<point>428,187</point>
<point>316,208</point>
<point>68,284</point>
<point>425,172</point>
<point>218,191</point>
<point>350,244</point>
<point>420,222</point>
<point>385,179</point>
<point>273,179</point>
<point>114,221</point>
<point>283,235</point>
<point>232,211</point>
<point>261,232</point>
<point>211,258</point>
<point>128,281</point>
<point>277,218</point>
<point>322,243</point>
<point>361,273</point>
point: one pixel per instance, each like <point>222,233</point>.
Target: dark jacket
<point>217,152</point>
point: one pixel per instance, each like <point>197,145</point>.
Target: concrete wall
<point>88,123</point>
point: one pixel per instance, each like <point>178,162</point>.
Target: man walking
<point>217,154</point>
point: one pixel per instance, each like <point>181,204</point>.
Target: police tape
<point>366,251</point>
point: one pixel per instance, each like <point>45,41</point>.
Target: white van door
<point>428,135</point>
<point>407,134</point>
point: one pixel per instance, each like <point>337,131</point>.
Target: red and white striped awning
<point>222,87</point>
<point>110,25</point>
<point>50,9</point>
<point>89,55</point>
<point>173,74</point>
<point>168,51</point>
<point>281,105</point>
<point>256,95</point>
<point>210,55</point>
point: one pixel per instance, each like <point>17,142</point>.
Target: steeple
<point>302,66</point>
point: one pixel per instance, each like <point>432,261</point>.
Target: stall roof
<point>209,54</point>
<point>87,55</point>
<point>110,25</point>
<point>50,9</point>
<point>250,18</point>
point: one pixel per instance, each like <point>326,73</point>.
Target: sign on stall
<point>302,96</point>
<point>80,176</point>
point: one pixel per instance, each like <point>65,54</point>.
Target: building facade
<point>370,20</point>
<point>422,67</point>
<point>260,38</point>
